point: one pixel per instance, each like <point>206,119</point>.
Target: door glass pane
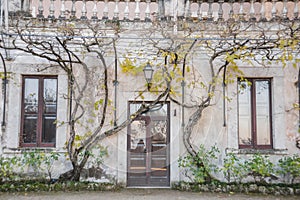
<point>134,107</point>
<point>160,109</point>
<point>138,136</point>
<point>49,116</point>
<point>30,110</point>
<point>138,148</point>
<point>244,103</point>
<point>159,164</point>
<point>263,112</point>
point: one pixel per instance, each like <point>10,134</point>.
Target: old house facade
<point>224,56</point>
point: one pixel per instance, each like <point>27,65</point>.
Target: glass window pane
<point>49,129</point>
<point>49,116</point>
<point>29,128</point>
<point>263,112</point>
<point>31,95</point>
<point>244,103</point>
<point>50,87</point>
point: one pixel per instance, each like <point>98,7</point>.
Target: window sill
<point>28,149</point>
<point>260,151</point>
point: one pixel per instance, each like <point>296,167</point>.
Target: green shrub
<point>260,167</point>
<point>49,161</point>
<point>289,168</point>
<point>39,162</point>
<point>7,167</point>
<point>201,165</point>
<point>233,169</point>
<point>98,156</point>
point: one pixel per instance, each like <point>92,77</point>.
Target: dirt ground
<point>137,194</point>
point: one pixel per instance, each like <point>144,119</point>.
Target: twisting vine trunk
<point>298,138</point>
<point>196,116</point>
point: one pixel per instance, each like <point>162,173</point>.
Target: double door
<point>148,150</point>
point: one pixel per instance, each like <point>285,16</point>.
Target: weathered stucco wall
<point>209,131</point>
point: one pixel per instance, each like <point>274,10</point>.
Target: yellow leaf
<point>188,69</point>
<point>77,137</point>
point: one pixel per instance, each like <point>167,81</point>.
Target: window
<point>39,104</point>
<point>254,110</point>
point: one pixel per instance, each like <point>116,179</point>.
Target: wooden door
<point>148,150</point>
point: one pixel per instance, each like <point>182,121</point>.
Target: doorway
<point>148,148</point>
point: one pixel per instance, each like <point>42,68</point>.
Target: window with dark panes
<point>39,108</point>
<point>254,113</point>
